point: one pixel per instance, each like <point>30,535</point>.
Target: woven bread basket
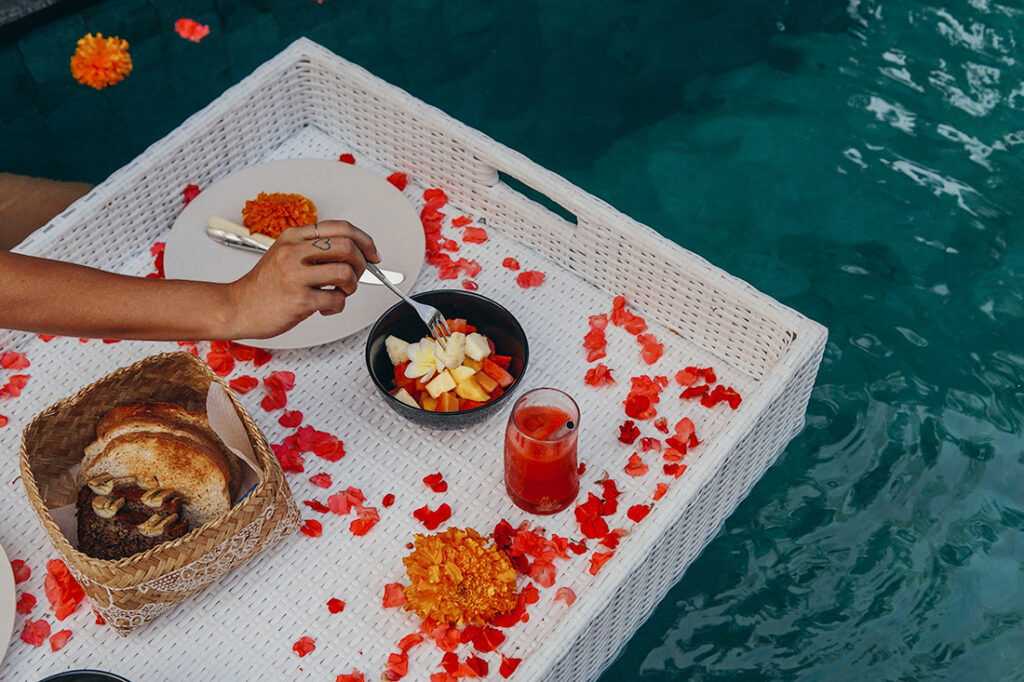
<point>132,591</point>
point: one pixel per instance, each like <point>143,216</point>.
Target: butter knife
<point>231,234</point>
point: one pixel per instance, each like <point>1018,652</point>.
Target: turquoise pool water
<point>858,160</point>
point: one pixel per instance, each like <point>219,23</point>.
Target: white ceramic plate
<point>7,602</point>
<point>340,191</point>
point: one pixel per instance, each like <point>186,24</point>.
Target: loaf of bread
<point>154,472</point>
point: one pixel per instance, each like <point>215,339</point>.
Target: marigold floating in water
<point>271,214</point>
<point>99,61</point>
<point>456,577</point>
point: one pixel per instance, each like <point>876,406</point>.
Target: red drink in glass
<point>541,473</point>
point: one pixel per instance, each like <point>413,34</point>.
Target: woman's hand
<point>308,269</point>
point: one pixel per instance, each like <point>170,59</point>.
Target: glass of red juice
<point>541,474</point>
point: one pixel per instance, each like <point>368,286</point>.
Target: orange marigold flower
<point>271,214</point>
<point>456,577</point>
<point>99,61</point>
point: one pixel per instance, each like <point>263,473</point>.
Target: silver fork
<point>431,316</point>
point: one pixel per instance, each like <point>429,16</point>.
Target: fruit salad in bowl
<point>455,386</point>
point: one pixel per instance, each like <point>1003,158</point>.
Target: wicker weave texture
<point>313,104</point>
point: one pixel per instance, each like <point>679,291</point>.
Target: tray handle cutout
<point>548,197</point>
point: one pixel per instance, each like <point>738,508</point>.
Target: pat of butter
<point>241,230</point>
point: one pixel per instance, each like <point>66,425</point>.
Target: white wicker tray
<point>307,102</point>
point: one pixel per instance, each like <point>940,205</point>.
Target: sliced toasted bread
<point>162,418</point>
<point>158,459</point>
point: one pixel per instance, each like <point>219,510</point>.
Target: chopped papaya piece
<point>472,364</point>
<point>428,402</point>
<point>448,402</point>
<point>497,373</point>
<point>471,404</point>
<point>401,380</point>
<point>486,382</point>
<point>502,361</point>
<point>457,325</point>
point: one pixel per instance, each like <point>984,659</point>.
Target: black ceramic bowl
<point>488,317</point>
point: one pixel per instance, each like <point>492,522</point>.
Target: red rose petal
<point>435,198</point>
<point>35,632</point>
<point>461,221</point>
<point>660,490</point>
<point>636,466</point>
<point>290,419</point>
<point>638,511</point>
<point>26,602</point>
<point>346,158</point>
<point>274,400</point>
<point>510,263</point>
<point>599,375</point>
<point>221,362</point>
<point>599,559</point>
<point>312,528</point>
<point>291,460</point>
<point>530,278</point>
<point>62,590</point>
<point>388,500</point>
<point>58,640</point>
<point>433,519</point>
<point>628,432</point>
<point>409,641</point>
<point>398,667</point>
<point>367,518</point>
<point>399,180</point>
<point>342,503</point>
<point>508,666</point>
<point>565,594</point>
<point>321,480</point>
<point>304,646</point>
<point>335,605</point>
<point>488,639</point>
<point>354,676</point>
<point>189,193</point>
<point>436,482</point>
<point>244,383</point>
<point>280,380</point>
<point>394,595</point>
<point>474,235</point>
<point>317,506</point>
<point>470,285</point>
<point>189,29</point>
<point>21,571</point>
<point>13,360</point>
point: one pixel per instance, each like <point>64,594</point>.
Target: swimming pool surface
<point>858,160</point>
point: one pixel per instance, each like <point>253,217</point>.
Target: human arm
<point>282,289</point>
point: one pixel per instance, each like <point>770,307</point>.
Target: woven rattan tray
<point>307,102</point>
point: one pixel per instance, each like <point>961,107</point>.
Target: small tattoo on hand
<point>324,243</point>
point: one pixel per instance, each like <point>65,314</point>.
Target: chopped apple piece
<point>477,346</point>
<point>462,373</point>
<point>486,382</point>
<point>441,383</point>
<point>470,389</point>
<point>454,350</point>
<point>403,396</point>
